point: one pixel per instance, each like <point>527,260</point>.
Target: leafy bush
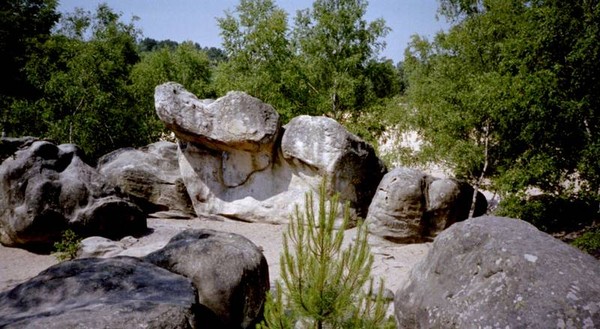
<point>67,247</point>
<point>589,242</point>
<point>551,213</point>
<point>322,285</point>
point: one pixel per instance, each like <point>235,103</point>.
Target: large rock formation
<point>121,292</point>
<point>151,177</point>
<point>45,189</point>
<point>229,271</point>
<point>410,206</point>
<point>237,161</point>
<point>491,272</point>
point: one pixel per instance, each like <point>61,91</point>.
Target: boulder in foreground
<point>120,292</point>
<point>229,271</point>
<point>492,272</point>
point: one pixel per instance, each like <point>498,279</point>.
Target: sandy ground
<point>392,261</point>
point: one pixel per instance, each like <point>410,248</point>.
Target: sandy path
<point>392,261</point>
<point>18,265</point>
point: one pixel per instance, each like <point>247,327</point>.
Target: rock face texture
<point>121,292</point>
<point>150,176</point>
<point>410,206</point>
<point>45,189</point>
<point>348,161</point>
<point>228,270</point>
<point>491,272</point>
<point>237,161</point>
<point>100,247</point>
<point>10,145</point>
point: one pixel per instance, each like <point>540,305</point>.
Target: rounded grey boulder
<point>410,206</point>
<point>346,160</point>
<point>492,272</point>
<point>229,271</point>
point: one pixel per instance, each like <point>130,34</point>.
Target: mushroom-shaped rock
<point>236,162</point>
<point>240,126</point>
<point>237,120</point>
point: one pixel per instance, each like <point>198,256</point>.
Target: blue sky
<point>195,20</point>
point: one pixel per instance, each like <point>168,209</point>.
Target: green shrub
<point>322,285</point>
<point>551,213</point>
<point>589,242</point>
<point>67,247</point>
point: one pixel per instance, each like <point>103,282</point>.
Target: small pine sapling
<point>322,285</point>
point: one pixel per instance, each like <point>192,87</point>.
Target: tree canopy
<point>506,74</point>
<point>83,71</point>
<point>507,93</point>
<point>326,63</point>
<point>24,26</point>
<point>89,80</point>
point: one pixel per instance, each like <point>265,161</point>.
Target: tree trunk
<point>486,141</point>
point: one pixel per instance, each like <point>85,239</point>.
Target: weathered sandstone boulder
<point>121,292</point>
<point>348,161</point>
<point>229,271</point>
<point>410,206</point>
<point>10,145</point>
<point>151,177</point>
<point>100,247</point>
<point>237,161</point>
<point>491,272</point>
<point>449,201</point>
<point>45,189</point>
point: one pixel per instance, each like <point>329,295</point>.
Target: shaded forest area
<point>506,98</point>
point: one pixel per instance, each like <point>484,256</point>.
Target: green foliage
<point>259,57</point>
<point>151,45</point>
<point>183,63</point>
<point>506,93</point>
<point>24,26</point>
<point>551,213</point>
<point>325,64</point>
<point>589,242</point>
<point>67,247</point>
<point>148,45</point>
<point>83,72</point>
<point>90,81</point>
<point>335,44</point>
<point>322,284</point>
